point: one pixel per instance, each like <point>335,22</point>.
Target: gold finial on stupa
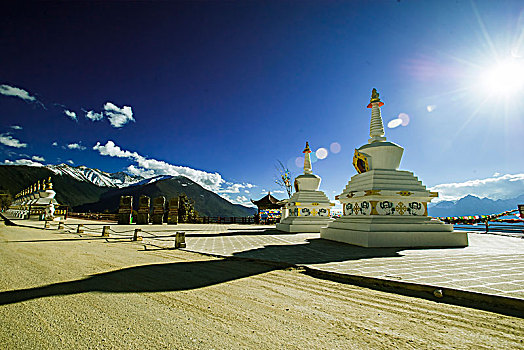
<point>49,184</point>
<point>306,150</point>
<point>374,96</point>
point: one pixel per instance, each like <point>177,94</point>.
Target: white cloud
<point>92,115</point>
<point>38,158</point>
<point>431,108</point>
<point>54,144</point>
<point>118,117</point>
<point>112,150</point>
<point>76,146</point>
<point>242,200</point>
<point>27,162</point>
<point>16,92</point>
<point>151,167</point>
<point>16,127</point>
<point>133,170</point>
<point>235,188</point>
<point>71,114</point>
<point>70,162</point>
<point>8,140</point>
<point>279,191</point>
<point>497,187</point>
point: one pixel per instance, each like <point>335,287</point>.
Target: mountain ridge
<point>95,176</point>
<point>79,192</point>
<point>473,205</point>
<point>207,203</point>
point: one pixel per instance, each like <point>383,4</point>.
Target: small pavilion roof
<point>267,202</point>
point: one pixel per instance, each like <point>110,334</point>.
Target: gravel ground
<point>62,291</point>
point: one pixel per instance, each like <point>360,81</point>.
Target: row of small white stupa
<point>38,199</point>
<point>382,206</point>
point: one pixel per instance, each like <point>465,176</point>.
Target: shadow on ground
<point>191,275</point>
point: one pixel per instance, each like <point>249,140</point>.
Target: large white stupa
<point>384,206</point>
<point>308,209</point>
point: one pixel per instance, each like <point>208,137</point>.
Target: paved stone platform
<point>491,264</point>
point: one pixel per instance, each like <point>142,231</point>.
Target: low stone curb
<point>493,303</point>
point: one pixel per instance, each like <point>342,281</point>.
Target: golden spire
<point>306,150</point>
<point>307,160</point>
<point>49,184</point>
<point>376,128</point>
<point>375,98</point>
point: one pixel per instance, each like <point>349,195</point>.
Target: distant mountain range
<point>471,205</point>
<point>207,203</point>
<point>86,189</point>
<point>95,176</point>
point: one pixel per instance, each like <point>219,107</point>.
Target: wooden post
<point>46,224</point>
<point>180,240</point>
<point>105,231</point>
<point>61,225</point>
<point>80,228</point>
<point>487,226</point>
<point>137,236</point>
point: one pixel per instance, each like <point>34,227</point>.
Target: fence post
<point>61,225</point>
<point>80,228</point>
<point>46,224</point>
<point>105,231</point>
<point>137,236</point>
<point>180,240</point>
<point>487,226</point>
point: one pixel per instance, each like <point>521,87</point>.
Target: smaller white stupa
<point>308,209</point>
<point>47,199</point>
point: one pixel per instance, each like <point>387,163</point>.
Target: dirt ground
<point>62,291</point>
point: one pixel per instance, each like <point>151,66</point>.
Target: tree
<point>5,200</point>
<point>186,210</point>
<point>283,178</point>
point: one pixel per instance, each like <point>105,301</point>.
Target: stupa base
<point>302,225</point>
<point>382,232</point>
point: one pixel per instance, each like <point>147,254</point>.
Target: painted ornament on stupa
<point>383,206</point>
<point>308,209</point>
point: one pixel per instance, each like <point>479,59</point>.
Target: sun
<point>504,79</point>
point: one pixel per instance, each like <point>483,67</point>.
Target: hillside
<point>69,191</point>
<point>83,195</point>
<point>207,203</point>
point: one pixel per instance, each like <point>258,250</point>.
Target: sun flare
<point>505,79</point>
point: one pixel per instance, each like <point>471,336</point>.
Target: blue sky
<point>220,91</point>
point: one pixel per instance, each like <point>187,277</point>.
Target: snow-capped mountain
<point>95,176</point>
<point>151,180</point>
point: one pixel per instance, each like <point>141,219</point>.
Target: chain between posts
<point>137,233</point>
